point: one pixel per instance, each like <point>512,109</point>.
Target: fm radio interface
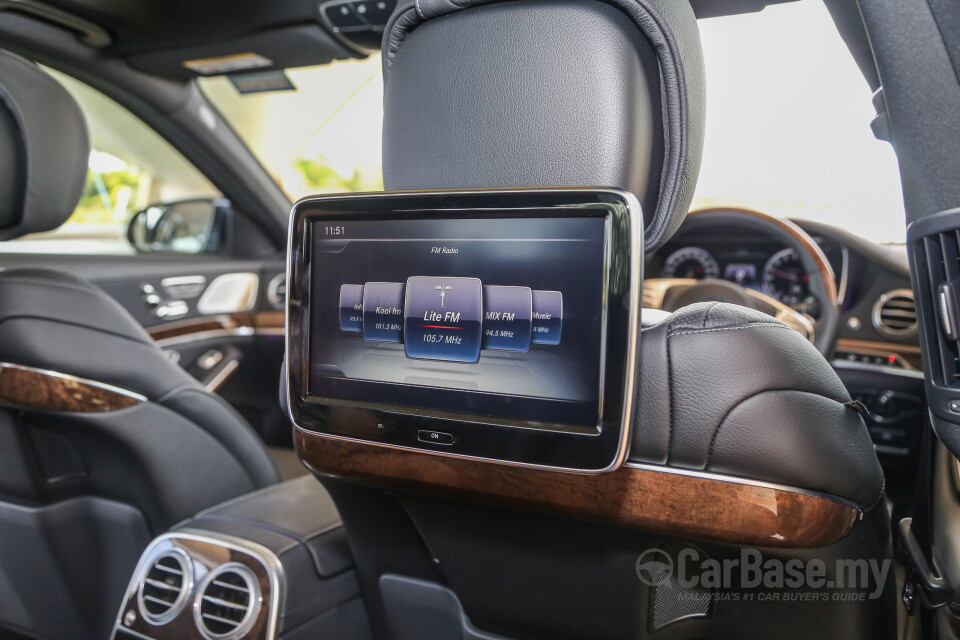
<point>451,318</point>
<point>504,320</point>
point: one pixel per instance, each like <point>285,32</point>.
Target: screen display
<point>497,316</point>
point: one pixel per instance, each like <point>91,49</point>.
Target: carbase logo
<point>751,571</point>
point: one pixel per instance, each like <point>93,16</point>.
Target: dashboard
<point>876,353</point>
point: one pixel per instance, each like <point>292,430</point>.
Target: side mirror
<point>188,226</point>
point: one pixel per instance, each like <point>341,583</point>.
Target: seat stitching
<point>883,489</point>
<point>737,328</point>
<point>670,394</point>
<point>706,315</point>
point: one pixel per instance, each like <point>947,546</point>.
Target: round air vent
<point>895,314</point>
<point>165,587</point>
<point>277,291</point>
<point>228,602</point>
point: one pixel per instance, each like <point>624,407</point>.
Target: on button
<point>435,437</point>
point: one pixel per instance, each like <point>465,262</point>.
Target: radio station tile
<point>507,313</point>
<point>351,307</point>
<point>547,317</point>
<point>383,311</point>
<point>443,318</point>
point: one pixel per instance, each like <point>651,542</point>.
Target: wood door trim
<point>670,503</point>
<point>259,321</point>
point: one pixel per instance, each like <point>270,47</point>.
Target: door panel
<point>237,355</point>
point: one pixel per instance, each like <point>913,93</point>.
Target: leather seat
<point>722,388</point>
<point>610,93</point>
<point>180,449</point>
<point>152,439</point>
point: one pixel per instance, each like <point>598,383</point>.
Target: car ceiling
<point>157,36</point>
<point>139,26</point>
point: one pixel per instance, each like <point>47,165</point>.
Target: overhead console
<point>494,325</point>
<point>359,23</point>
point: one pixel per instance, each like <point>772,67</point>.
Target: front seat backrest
<point>610,93</point>
<point>177,448</point>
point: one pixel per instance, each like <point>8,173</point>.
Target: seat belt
<point>924,584</point>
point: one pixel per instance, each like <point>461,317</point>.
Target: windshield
<point>788,125</point>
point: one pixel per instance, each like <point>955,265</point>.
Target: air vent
<point>228,602</point>
<point>165,587</point>
<point>277,292</point>
<point>937,264</point>
<point>895,314</point>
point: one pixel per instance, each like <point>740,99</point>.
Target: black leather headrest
<point>44,149</point>
<point>547,93</point>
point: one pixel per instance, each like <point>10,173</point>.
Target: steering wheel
<point>670,294</point>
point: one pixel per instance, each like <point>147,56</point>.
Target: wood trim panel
<point>270,320</point>
<point>180,328</point>
<point>909,353</point>
<point>259,320</point>
<point>681,505</point>
<point>28,388</point>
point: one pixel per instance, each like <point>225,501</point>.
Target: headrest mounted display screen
<point>498,325</point>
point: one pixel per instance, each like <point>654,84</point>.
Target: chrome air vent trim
<point>228,602</point>
<point>165,587</point>
<point>277,292</point>
<point>895,314</point>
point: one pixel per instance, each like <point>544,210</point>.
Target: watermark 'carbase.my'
<point>751,571</point>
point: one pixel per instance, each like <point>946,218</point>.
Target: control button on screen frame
<point>507,313</point>
<point>547,317</point>
<point>435,437</point>
<point>383,311</point>
<point>351,307</point>
<point>443,318</point>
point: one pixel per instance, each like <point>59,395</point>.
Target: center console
<point>271,564</point>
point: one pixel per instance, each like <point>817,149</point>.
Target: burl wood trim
<point>180,328</point>
<point>225,322</point>
<point>906,352</point>
<point>31,389</point>
<point>669,503</point>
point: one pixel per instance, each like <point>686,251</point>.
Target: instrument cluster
<point>777,273</point>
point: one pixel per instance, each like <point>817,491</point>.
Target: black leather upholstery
<point>181,450</point>
<point>43,150</point>
<point>191,449</point>
<point>730,390</point>
<point>625,79</point>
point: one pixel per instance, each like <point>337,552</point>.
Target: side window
<point>130,168</point>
